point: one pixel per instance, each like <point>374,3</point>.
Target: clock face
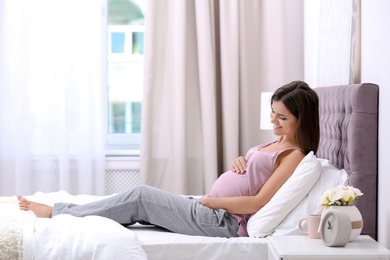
<point>335,229</point>
<point>330,228</point>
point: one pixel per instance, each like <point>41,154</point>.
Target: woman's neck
<point>287,141</point>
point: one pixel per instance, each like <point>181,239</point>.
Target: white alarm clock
<point>335,228</point>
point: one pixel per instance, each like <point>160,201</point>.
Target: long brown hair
<point>302,102</point>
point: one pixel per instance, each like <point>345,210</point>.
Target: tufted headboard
<point>349,139</point>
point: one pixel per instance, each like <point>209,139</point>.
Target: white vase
<point>355,216</point>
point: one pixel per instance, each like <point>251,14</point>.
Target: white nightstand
<point>303,247</point>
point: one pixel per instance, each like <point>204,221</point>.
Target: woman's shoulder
<point>293,154</point>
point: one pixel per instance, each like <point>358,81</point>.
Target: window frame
<point>118,144</point>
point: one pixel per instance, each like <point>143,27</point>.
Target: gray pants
<point>146,204</point>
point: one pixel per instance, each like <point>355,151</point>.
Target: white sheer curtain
<point>51,96</point>
<point>206,63</point>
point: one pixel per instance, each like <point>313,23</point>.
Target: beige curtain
<point>206,63</point>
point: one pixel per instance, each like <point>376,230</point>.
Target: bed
<point>347,155</point>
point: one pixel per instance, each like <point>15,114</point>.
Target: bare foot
<point>40,210</point>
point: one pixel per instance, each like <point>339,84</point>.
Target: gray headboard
<point>349,139</point>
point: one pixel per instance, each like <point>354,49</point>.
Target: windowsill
<point>122,153</point>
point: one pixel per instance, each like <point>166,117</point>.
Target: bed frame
<point>349,139</point>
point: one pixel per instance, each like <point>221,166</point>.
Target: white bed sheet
<point>161,244</point>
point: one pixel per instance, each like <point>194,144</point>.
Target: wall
<point>311,28</point>
<point>375,68</point>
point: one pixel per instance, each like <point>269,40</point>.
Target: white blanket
<point>63,236</point>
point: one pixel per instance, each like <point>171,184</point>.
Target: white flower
<point>340,196</point>
<point>335,196</point>
<point>324,198</point>
<point>347,194</point>
<point>357,192</point>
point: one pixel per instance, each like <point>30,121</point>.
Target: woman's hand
<point>211,202</point>
<point>203,200</point>
<point>238,165</point>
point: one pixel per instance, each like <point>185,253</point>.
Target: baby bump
<point>230,184</point>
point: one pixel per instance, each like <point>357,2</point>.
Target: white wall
<point>376,69</point>
<point>311,30</point>
<point>328,26</point>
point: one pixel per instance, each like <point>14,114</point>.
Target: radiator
<point>121,174</point>
<point>118,180</point>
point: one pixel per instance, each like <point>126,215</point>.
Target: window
<point>125,34</point>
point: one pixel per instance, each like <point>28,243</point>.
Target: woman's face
<point>284,122</point>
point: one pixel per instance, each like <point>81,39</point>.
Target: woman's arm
<point>288,161</point>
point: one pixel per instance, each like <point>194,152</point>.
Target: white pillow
<point>293,191</point>
<point>330,177</point>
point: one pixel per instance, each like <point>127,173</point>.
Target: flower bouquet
<point>340,196</point>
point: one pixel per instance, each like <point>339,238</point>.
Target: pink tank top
<point>260,166</point>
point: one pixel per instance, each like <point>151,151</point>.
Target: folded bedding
<point>23,236</point>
